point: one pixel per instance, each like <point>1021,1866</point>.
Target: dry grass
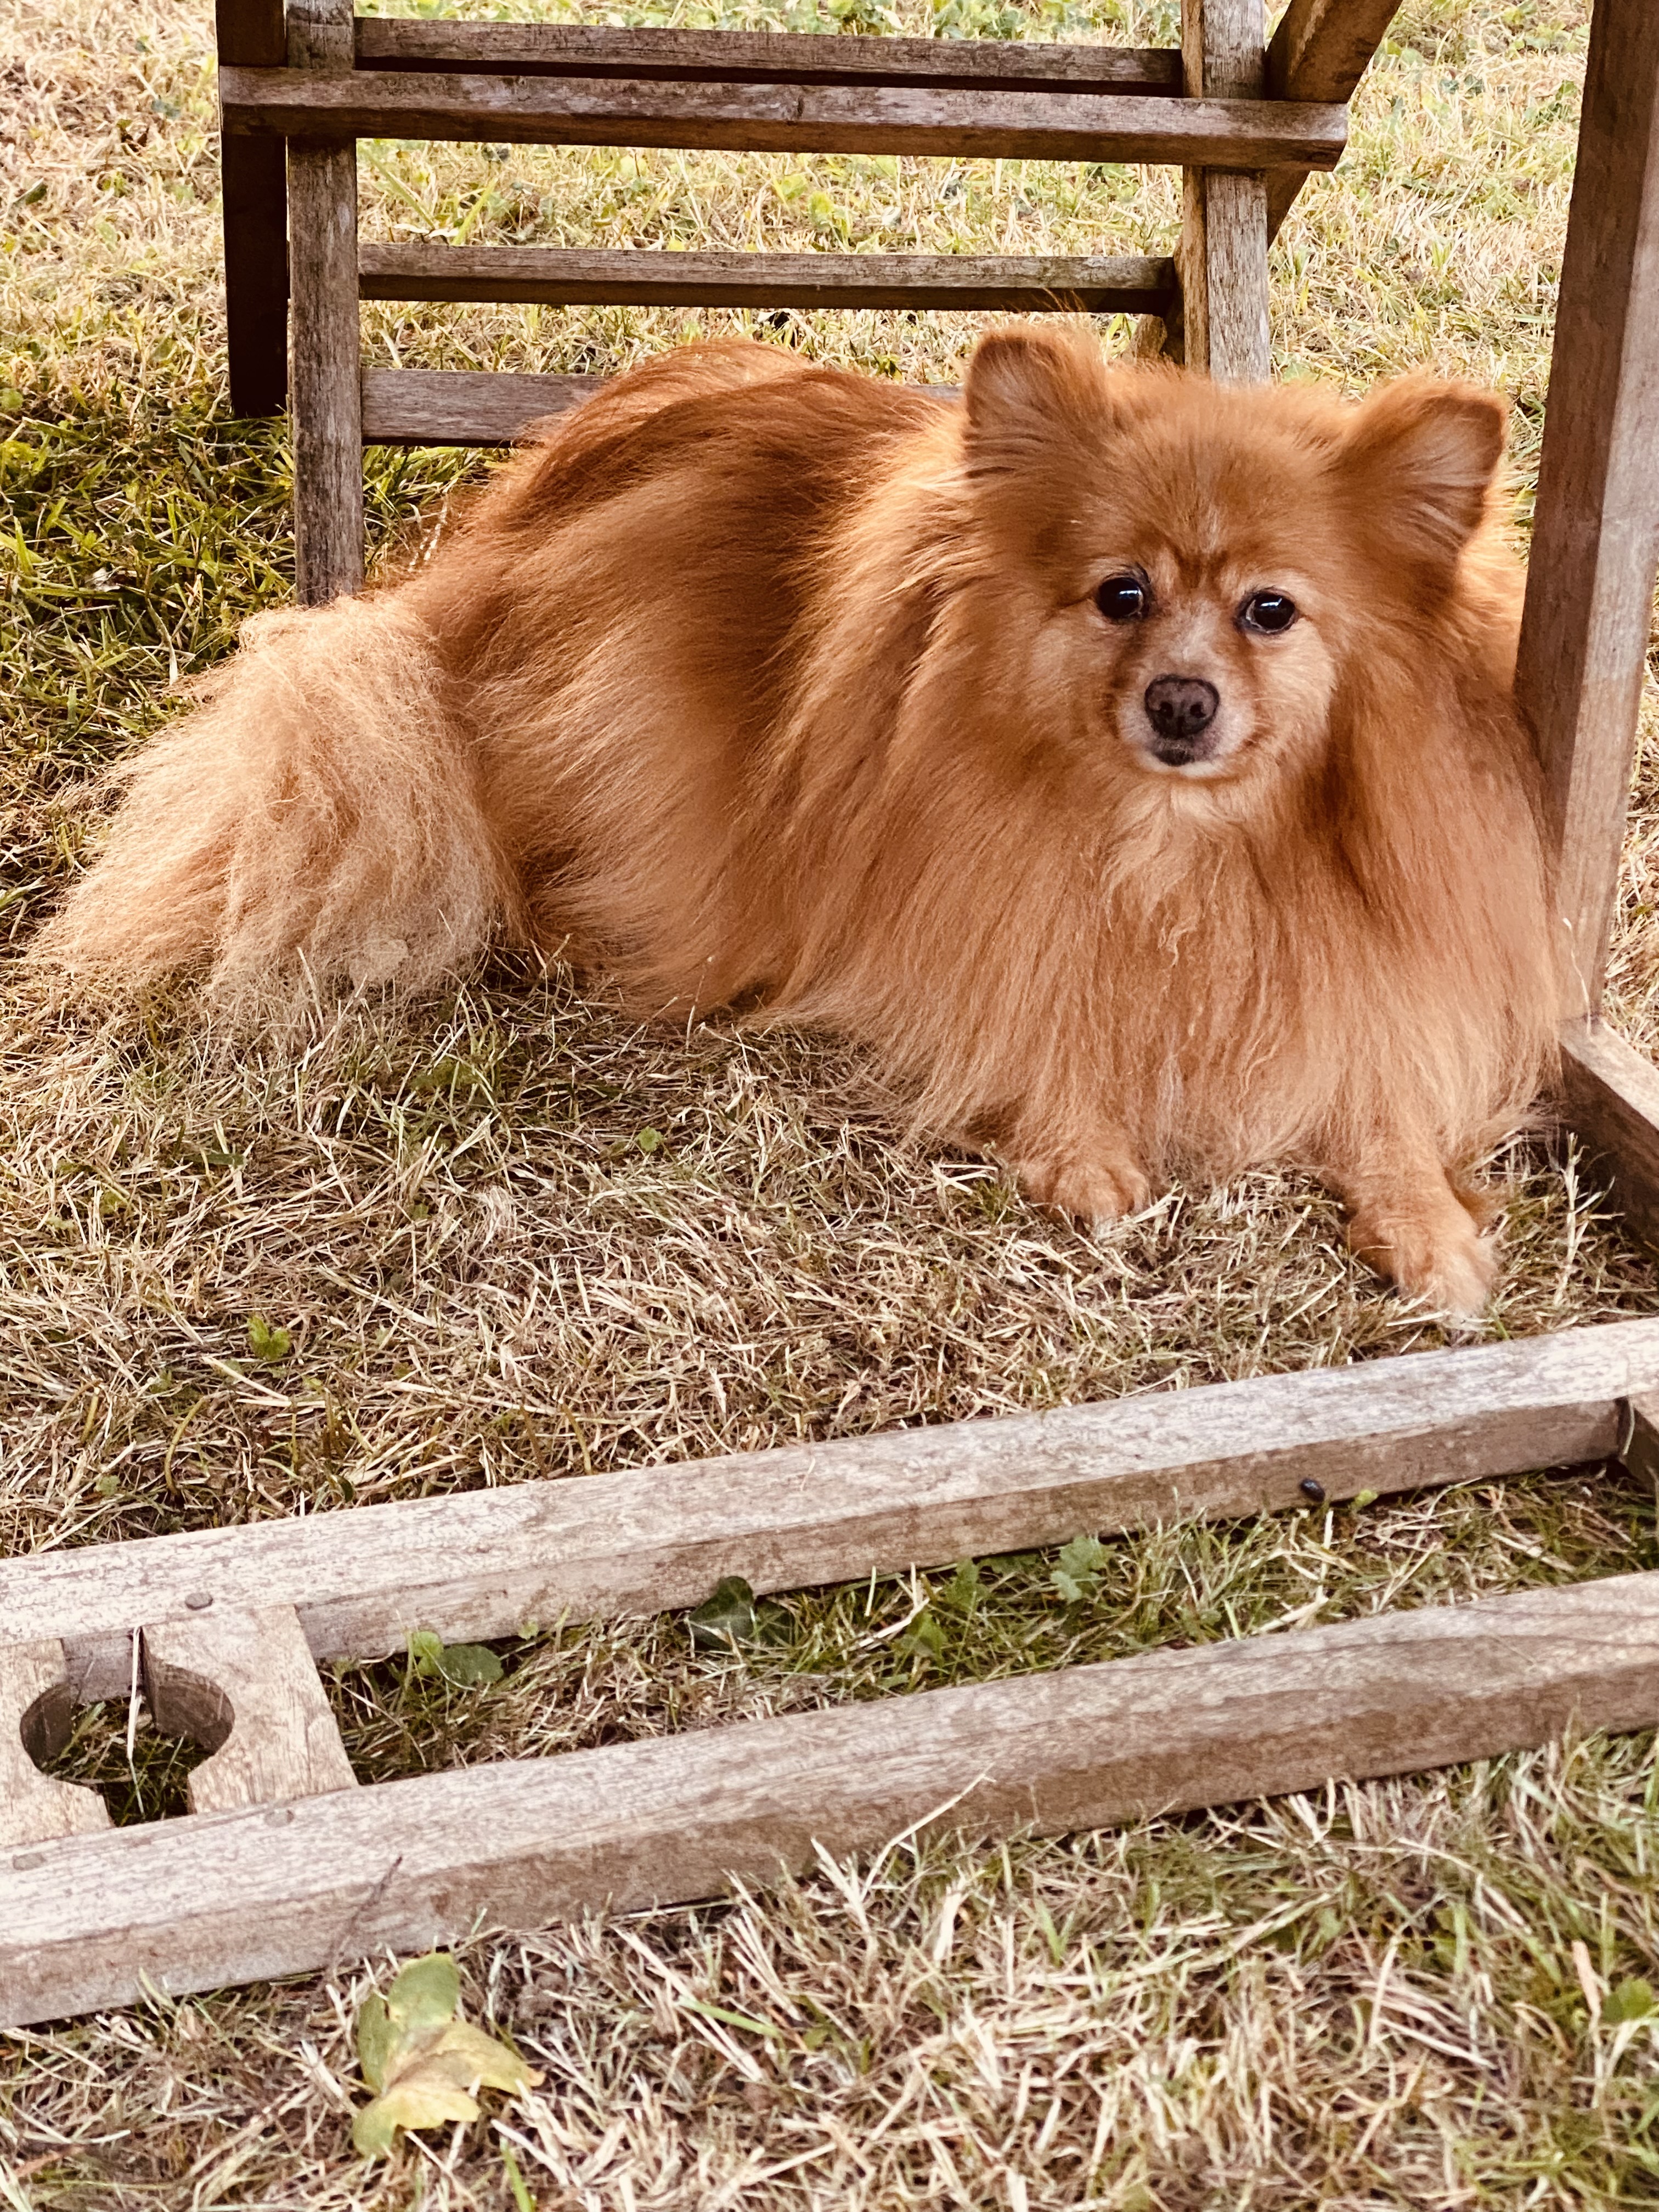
<point>510,1236</point>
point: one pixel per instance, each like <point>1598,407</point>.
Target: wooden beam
<point>475,407</point>
<point>328,435</point>
<point>241,1680</point>
<point>782,118</point>
<point>253,184</point>
<point>37,1709</point>
<point>195,1902</point>
<point>1320,51</point>
<point>462,406</point>
<point>1223,253</point>
<point>1611,1101</point>
<point>560,277</point>
<point>762,57</point>
<point>1595,529</point>
<point>490,1562</point>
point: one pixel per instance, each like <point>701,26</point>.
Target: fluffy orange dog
<point>1130,762</point>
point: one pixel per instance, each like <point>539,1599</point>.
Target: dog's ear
<point>1025,391</point>
<point>1420,458</point>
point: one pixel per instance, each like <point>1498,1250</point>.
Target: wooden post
<point>1220,325</point>
<point>1595,534</point>
<point>254,193</point>
<point>1222,255</point>
<point>327,399</point>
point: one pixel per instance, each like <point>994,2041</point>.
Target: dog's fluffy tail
<point>316,819</point>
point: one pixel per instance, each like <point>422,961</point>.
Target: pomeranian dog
<point>1130,764</point>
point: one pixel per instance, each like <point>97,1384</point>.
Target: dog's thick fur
<point>769,685</point>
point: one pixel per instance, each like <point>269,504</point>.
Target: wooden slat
<point>1610,1099</point>
<point>1320,51</point>
<point>241,1680</point>
<point>194,1903</point>
<point>783,119</point>
<point>485,1564</point>
<point>1223,253</point>
<point>37,1707</point>
<point>764,56</point>
<point>560,277</point>
<point>328,436</point>
<point>462,406</point>
<point>1595,528</point>
<point>470,407</point>
<point>254,179</point>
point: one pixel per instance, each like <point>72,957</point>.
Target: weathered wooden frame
<point>1249,123</point>
<point>284,1865</point>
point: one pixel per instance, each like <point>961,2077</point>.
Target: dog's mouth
<point>1184,752</point>
<point>1198,758</point>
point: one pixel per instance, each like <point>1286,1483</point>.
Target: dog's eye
<point>1123,598</point>
<point>1270,611</point>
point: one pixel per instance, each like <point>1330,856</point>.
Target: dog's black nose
<point>1181,708</point>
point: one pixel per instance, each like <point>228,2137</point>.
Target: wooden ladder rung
<point>1038,125</point>
<point>761,57</point>
<point>462,406</point>
<point>559,277</point>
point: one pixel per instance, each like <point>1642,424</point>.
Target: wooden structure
<point>1247,124</point>
<point>284,1864</point>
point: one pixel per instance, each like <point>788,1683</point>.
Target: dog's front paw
<point>1093,1190</point>
<point>1436,1254</point>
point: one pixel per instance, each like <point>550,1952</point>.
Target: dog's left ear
<point>1421,458</point>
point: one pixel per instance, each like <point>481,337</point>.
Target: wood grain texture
<point>194,1903</point>
<point>593,1547</point>
<point>765,57</point>
<point>462,406</point>
<point>1222,257</point>
<point>325,370</point>
<point>557,276</point>
<point>1320,51</point>
<point>473,407</point>
<point>253,177</point>
<point>240,1680</point>
<point>1595,527</point>
<point>37,1705</point>
<point>1221,53</point>
<point>784,118</point>
<point>1610,1095</point>
<point>1223,253</point>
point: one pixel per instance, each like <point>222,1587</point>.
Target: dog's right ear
<point>1025,391</point>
